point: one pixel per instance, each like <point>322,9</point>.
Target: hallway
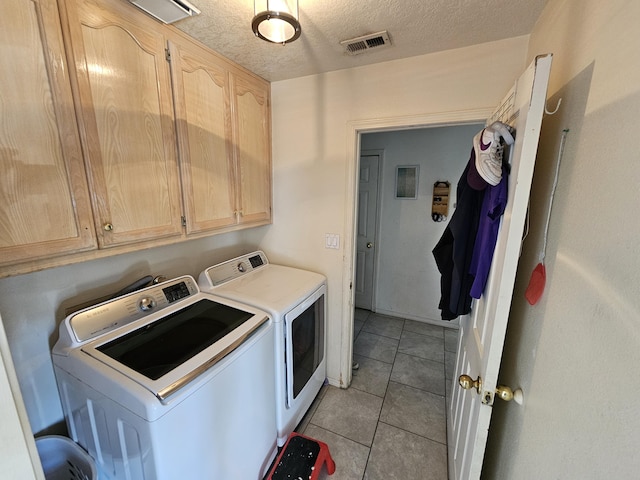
<point>390,423</point>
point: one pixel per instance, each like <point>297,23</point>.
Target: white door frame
<point>354,130</point>
<point>19,457</point>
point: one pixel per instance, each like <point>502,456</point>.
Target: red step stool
<point>302,457</point>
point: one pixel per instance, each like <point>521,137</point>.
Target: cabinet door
<point>124,86</point>
<point>44,201</point>
<point>252,138</point>
<point>203,122</point>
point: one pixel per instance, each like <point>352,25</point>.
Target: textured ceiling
<point>416,27</point>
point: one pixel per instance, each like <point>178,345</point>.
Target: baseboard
<point>453,324</point>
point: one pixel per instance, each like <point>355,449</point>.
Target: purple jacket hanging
<point>493,206</point>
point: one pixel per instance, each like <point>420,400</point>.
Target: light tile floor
<point>391,422</point>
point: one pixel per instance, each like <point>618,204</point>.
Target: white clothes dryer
<point>296,300</point>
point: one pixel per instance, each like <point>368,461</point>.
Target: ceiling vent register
<point>358,45</point>
<point>167,11</point>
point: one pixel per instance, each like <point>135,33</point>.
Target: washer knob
<point>146,304</point>
<point>241,267</point>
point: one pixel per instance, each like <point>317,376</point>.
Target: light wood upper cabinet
<point>127,122</point>
<point>90,162</point>
<point>203,123</point>
<point>251,118</point>
<point>224,140</point>
<point>44,201</point>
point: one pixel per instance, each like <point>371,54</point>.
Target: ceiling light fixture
<point>276,21</point>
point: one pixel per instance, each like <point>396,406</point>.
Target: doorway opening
<point>395,272</point>
<point>359,131</point>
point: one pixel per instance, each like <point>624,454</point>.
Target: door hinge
<point>167,54</point>
<point>183,221</point>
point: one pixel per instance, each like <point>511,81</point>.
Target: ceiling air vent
<point>356,46</point>
<point>167,11</point>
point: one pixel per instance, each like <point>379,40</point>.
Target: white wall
<point>575,352</point>
<point>408,282</point>
<point>314,159</point>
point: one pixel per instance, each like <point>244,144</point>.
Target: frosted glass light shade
<point>276,21</point>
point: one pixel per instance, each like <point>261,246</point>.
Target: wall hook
<point>557,107</point>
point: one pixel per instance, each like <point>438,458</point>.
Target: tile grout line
<point>384,397</point>
<point>412,433</point>
<point>366,464</point>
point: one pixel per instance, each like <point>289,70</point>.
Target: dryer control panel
<point>234,268</point>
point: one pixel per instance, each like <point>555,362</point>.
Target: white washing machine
<point>296,300</point>
<point>169,382</point>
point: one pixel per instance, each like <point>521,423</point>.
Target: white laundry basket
<point>63,459</point>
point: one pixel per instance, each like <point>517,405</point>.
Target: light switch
<point>332,240</point>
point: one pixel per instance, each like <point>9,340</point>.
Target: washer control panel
<point>107,316</point>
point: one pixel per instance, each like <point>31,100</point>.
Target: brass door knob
<point>505,393</point>
<point>108,227</point>
<point>468,383</point>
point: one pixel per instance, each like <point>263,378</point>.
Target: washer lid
<point>167,352</point>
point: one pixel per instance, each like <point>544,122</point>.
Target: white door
<point>482,332</point>
<point>18,455</point>
<point>366,230</point>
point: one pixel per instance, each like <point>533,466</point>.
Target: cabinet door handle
<point>108,227</point>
